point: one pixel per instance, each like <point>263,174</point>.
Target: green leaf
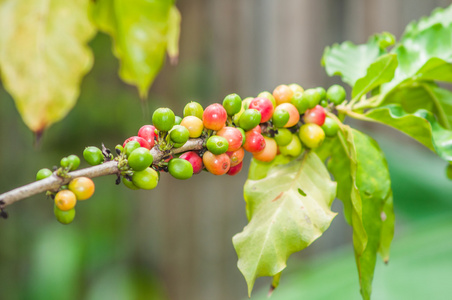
<point>351,61</point>
<point>424,54</point>
<point>424,96</point>
<point>442,104</point>
<point>420,125</point>
<point>142,30</point>
<point>387,228</point>
<point>325,150</point>
<point>364,186</point>
<point>44,56</point>
<point>259,170</point>
<point>283,221</point>
<point>439,16</point>
<point>342,166</point>
<point>420,268</point>
<point>427,53</point>
<point>435,69</point>
<point>379,72</point>
<point>374,185</point>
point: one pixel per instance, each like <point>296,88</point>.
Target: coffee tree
<point>304,155</point>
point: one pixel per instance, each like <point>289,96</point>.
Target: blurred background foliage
<point>175,242</point>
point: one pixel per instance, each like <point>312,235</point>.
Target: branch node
<point>201,152</point>
<point>117,166</point>
<point>63,173</point>
<point>107,153</point>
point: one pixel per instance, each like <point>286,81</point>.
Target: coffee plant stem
<point>367,103</point>
<point>53,182</point>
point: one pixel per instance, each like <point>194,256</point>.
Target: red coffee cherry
<point>233,136</point>
<point>214,117</point>
<point>235,169</point>
<point>315,115</point>
<point>254,142</point>
<point>216,164</point>
<point>142,141</point>
<point>147,132</point>
<point>195,160</point>
<point>264,106</point>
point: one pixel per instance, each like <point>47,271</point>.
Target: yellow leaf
<point>141,31</point>
<point>43,56</point>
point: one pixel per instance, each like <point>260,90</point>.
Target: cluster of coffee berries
<point>283,122</point>
<point>307,123</point>
<point>65,199</point>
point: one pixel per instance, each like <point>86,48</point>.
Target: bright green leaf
<point>379,72</point>
<point>44,56</point>
<point>339,166</point>
<point>415,56</point>
<point>361,172</point>
<point>374,185</point>
<point>282,220</point>
<point>424,96</point>
<point>420,125</point>
<point>439,16</point>
<point>351,61</point>
<point>442,104</point>
<point>343,166</point>
<point>435,69</point>
<point>142,30</point>
<point>424,54</point>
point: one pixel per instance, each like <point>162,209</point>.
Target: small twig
<point>353,114</point>
<point>366,103</point>
<point>53,182</point>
